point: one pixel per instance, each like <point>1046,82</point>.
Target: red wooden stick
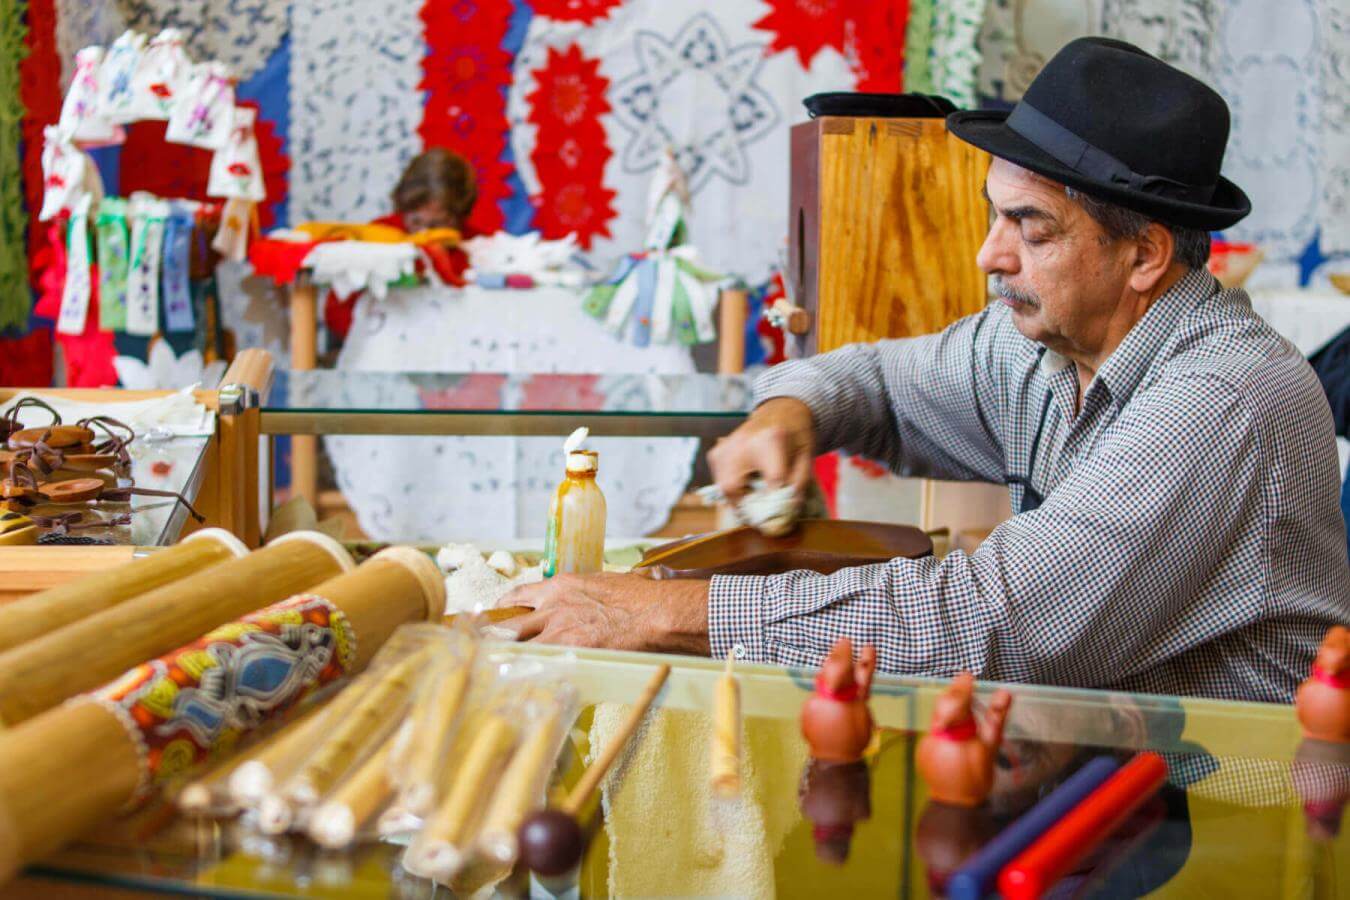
<point>1089,823</point>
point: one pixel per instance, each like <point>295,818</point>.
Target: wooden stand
<point>732,311</point>
<point>886,217</point>
<point>304,355</point>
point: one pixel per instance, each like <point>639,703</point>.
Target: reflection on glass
<point>835,797</point>
<point>802,828</point>
<point>380,392</point>
<point>1321,774</point>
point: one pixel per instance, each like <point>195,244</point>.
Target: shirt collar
<point>1125,368</point>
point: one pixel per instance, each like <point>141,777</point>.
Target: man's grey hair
<point>1191,245</point>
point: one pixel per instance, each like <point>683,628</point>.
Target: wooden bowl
<point>59,437</point>
<point>819,545</point>
<point>77,490</point>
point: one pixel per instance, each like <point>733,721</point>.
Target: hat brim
<point>986,129</point>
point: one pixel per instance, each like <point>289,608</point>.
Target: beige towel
<point>668,835</point>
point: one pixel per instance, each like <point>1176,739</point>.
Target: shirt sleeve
<point>1100,583</point>
<point>926,406</point>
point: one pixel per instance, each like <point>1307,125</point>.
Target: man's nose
<point>997,254</point>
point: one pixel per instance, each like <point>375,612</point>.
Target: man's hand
<point>619,611</point>
<point>778,442</point>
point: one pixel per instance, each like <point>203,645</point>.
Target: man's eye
<point>1032,240</point>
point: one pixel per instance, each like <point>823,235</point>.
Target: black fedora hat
<point>1118,124</point>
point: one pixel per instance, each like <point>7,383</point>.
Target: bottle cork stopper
<point>583,461</point>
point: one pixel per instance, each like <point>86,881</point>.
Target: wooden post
<point>244,386</point>
<point>304,355</point>
<point>732,312</point>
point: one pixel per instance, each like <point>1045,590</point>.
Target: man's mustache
<point>1017,295</point>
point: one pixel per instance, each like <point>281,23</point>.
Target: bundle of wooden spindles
<point>436,742</point>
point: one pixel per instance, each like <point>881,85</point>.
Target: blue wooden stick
<point>972,880</point>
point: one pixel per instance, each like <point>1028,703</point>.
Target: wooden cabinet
<point>886,218</point>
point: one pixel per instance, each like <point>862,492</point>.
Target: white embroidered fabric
<point>477,488</point>
<point>79,24</point>
<point>354,112</point>
<point>243,34</point>
<point>351,266</point>
<point>731,119</point>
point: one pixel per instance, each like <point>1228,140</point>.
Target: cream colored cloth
<point>178,413</point>
<point>668,836</point>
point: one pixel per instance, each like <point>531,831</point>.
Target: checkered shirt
<point>1190,541</point>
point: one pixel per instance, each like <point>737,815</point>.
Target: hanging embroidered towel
<point>161,76</point>
<point>954,58</point>
<point>147,241</point>
<point>67,175</point>
<point>177,250</point>
<point>204,112</point>
<point>81,120</point>
<point>663,306</point>
<point>76,291</point>
<point>115,76</point>
<point>237,222</point>
<point>236,170</point>
<point>701,287</point>
<point>114,263</point>
<point>648,280</point>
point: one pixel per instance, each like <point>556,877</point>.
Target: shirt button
<point>738,650</point>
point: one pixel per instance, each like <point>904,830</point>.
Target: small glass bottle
<point>576,519</point>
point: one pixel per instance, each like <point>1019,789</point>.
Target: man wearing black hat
<point>1170,458</point>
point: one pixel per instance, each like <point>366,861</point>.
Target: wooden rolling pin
<point>41,673</point>
<point>40,613</point>
<point>71,767</point>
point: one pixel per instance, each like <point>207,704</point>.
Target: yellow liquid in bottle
<point>576,520</point>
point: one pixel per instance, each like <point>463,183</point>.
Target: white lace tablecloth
<point>480,488</point>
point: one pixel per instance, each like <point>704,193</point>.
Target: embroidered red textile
<point>586,11</point>
<point>466,74</point>
<point>572,148</point>
<point>278,260</point>
<point>871,35</point>
<point>149,163</point>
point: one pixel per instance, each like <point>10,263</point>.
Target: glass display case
<point>204,446</point>
<point>1248,811</point>
<point>453,412</point>
<point>335,401</point>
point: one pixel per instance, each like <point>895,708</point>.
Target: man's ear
<point>1153,250</point>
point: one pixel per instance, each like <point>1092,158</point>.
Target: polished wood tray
<point>820,545</point>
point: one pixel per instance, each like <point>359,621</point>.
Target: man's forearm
<point>680,617</point>
<point>841,389</point>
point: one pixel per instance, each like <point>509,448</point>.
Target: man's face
<point>1052,264</point>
